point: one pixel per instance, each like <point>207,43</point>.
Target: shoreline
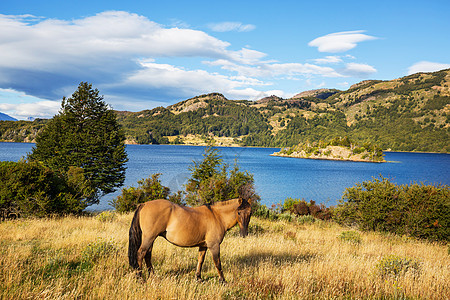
<point>238,146</point>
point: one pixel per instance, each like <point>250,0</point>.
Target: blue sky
<point>143,54</point>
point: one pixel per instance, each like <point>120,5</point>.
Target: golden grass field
<point>86,258</point>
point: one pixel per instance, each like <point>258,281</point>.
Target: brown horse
<point>203,227</point>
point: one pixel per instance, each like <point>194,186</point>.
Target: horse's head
<point>243,214</point>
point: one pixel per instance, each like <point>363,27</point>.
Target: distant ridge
<point>5,117</point>
<point>411,113</point>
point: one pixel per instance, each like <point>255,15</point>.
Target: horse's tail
<point>135,239</point>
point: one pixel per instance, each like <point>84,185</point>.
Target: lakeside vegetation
<point>78,157</point>
<point>337,149</point>
<point>85,258</point>
<point>296,250</point>
<point>392,241</point>
<point>411,113</point>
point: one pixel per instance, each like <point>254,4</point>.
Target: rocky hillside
<point>411,113</point>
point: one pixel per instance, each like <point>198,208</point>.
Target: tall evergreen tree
<point>85,134</point>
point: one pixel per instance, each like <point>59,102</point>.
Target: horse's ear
<point>240,200</point>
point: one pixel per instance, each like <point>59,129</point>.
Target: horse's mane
<point>244,204</point>
<point>223,203</point>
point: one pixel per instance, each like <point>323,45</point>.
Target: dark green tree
<point>31,189</point>
<point>85,134</point>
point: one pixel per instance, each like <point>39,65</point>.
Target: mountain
<point>5,117</point>
<point>320,93</point>
<point>411,113</point>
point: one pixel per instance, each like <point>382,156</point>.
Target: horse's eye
<point>239,213</point>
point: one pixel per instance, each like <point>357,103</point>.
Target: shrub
<point>262,211</point>
<point>417,210</point>
<point>148,189</point>
<point>306,219</point>
<point>106,216</point>
<point>289,204</point>
<point>211,182</point>
<point>351,237</point>
<point>31,189</point>
<point>393,265</point>
<point>285,217</point>
<point>301,208</point>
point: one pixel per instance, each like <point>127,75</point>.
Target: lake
<point>276,178</point>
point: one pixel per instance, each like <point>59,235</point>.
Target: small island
<point>339,148</point>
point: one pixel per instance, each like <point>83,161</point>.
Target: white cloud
<point>120,54</point>
<point>427,66</point>
<point>343,84</point>
<point>21,106</point>
<point>271,70</point>
<point>358,70</point>
<point>252,94</point>
<point>328,60</point>
<point>164,76</point>
<point>231,26</point>
<point>45,57</point>
<point>247,56</point>
<point>111,35</point>
<point>340,41</point>
<point>40,109</point>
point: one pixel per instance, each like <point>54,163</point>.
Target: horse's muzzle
<point>244,232</point>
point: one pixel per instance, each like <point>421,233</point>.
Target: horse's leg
<point>215,251</point>
<point>148,259</point>
<point>201,259</point>
<point>145,252</point>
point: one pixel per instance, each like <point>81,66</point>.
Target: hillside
<point>411,113</point>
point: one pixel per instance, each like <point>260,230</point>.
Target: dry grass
<point>86,258</point>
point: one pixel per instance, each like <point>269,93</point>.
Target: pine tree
<point>85,134</point>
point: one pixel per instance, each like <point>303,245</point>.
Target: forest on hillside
<point>411,113</point>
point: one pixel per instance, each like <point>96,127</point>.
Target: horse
<point>203,227</point>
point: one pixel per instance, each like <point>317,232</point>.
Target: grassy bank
<point>85,257</point>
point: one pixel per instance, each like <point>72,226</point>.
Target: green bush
<point>308,219</point>
<point>31,189</point>
<point>351,237</point>
<point>286,217</point>
<point>394,265</point>
<point>211,181</point>
<point>289,203</point>
<point>148,189</point>
<point>263,211</point>
<point>106,216</point>
<point>421,211</point>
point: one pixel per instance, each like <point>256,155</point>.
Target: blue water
<point>276,178</point>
